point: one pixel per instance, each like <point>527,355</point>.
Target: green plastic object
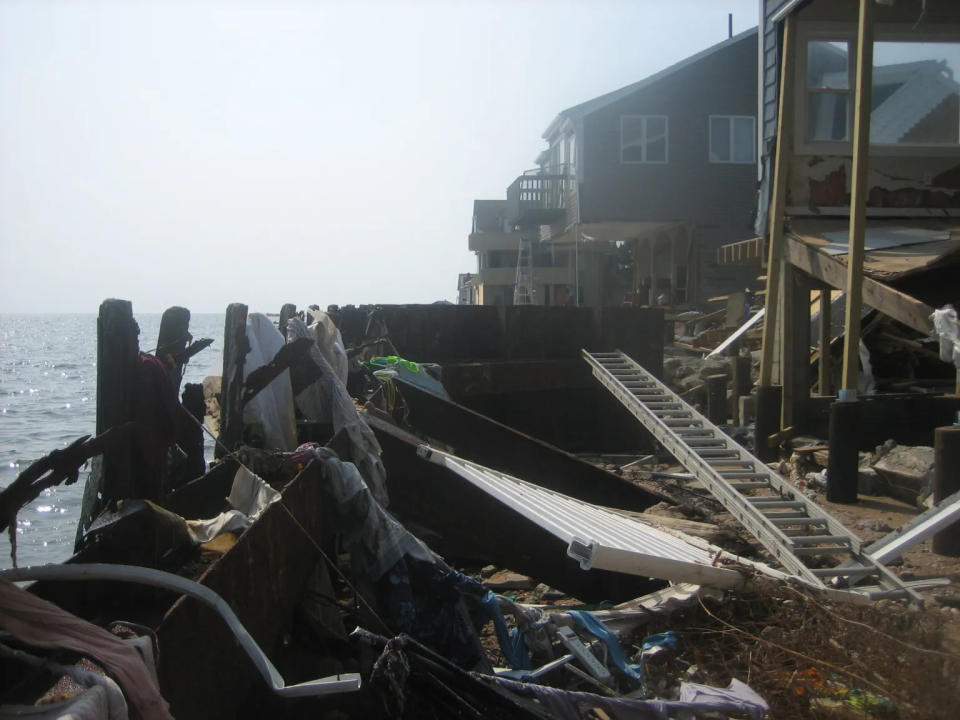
<point>385,361</point>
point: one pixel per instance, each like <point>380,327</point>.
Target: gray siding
<point>771,67</point>
<point>688,187</point>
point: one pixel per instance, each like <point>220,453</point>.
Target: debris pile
<point>369,547</point>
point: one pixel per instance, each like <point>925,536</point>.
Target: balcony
<point>538,198</point>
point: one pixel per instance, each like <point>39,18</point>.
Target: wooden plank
<point>780,172</point>
<point>858,200</point>
<point>890,302</point>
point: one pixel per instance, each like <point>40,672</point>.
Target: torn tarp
<point>327,400</point>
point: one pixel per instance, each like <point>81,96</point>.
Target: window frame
<point>666,140</point>
<point>752,144</point>
<point>847,32</point>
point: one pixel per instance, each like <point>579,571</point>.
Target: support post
<point>777,204</point>
<point>844,458</point>
<point>826,323</point>
<point>858,202</point>
<point>652,301</point>
<point>190,438</point>
<point>235,349</point>
<point>946,480</point>
<point>741,384</point>
<point>768,420</point>
<point>286,312</point>
<point>844,414</point>
<point>172,341</point>
<point>112,475</point>
<point>717,399</point>
<point>795,361</point>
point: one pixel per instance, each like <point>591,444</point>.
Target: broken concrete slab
<point>906,471</point>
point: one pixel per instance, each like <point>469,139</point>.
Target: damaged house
<point>860,195</point>
<point>634,194</point>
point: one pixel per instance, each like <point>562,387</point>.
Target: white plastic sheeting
<point>327,400</point>
<point>330,343</point>
<point>596,537</point>
<point>249,497</point>
<point>272,407</point>
<point>945,326</point>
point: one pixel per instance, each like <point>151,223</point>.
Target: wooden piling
<point>768,420</point>
<point>844,459</point>
<point>288,311</point>
<point>172,341</point>
<point>946,481</point>
<point>235,349</point>
<point>717,399</point>
<point>742,383</point>
<point>112,474</point>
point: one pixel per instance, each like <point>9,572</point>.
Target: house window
<point>643,139</point>
<point>828,90</point>
<point>915,99</point>
<point>733,139</point>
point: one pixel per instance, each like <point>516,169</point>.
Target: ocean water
<point>48,376</point>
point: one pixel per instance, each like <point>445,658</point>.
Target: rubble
<point>470,594</point>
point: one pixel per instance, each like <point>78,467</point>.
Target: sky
<point>207,152</point>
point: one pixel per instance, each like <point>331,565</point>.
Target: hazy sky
<point>201,153</point>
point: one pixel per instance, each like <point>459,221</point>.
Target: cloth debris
<point>327,400</point>
<point>272,408</point>
<point>42,624</point>
<point>249,497</point>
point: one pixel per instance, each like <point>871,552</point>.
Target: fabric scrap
<point>42,624</point>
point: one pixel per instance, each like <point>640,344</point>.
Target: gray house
<point>639,187</point>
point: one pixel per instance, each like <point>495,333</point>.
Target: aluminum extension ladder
<point>791,527</point>
<point>523,287</point>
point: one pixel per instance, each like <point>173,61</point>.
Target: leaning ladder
<point>791,527</point>
<point>523,289</point>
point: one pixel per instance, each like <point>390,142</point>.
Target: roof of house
<point>585,108</point>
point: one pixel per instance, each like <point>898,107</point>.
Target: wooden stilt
<point>777,202</point>
<point>858,201</point>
